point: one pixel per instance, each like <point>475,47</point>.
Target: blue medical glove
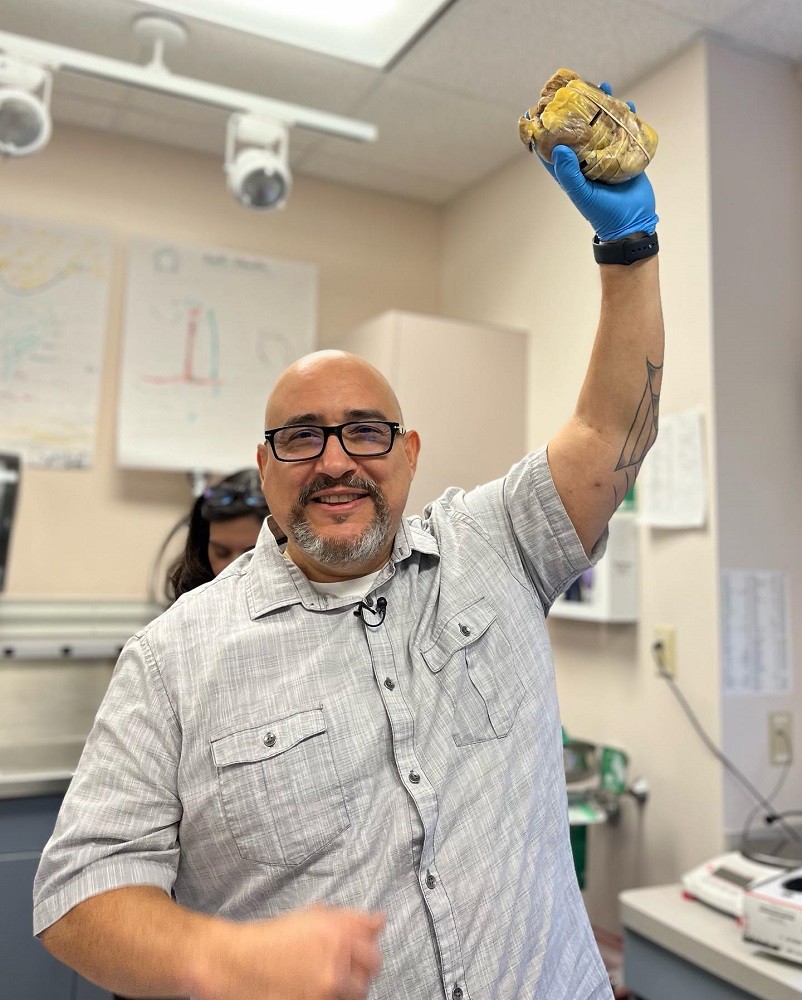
<point>614,210</point>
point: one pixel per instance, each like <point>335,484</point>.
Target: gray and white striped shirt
<point>260,748</point>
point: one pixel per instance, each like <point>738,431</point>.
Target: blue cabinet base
<point>29,972</point>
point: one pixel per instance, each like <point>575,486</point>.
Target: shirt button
<point>269,739</point>
<point>369,601</point>
<point>414,777</point>
<point>456,993</point>
<point>389,684</point>
<point>430,880</point>
<point>465,631</point>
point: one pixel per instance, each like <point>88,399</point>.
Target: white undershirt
<point>355,589</point>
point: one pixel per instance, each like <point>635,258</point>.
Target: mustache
<point>324,482</point>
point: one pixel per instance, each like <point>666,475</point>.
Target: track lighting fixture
<point>258,174</point>
<point>25,124</point>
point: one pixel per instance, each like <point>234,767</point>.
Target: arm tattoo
<point>642,432</point>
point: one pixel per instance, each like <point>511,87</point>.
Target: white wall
<point>517,253</point>
<point>757,264</point>
<point>95,532</point>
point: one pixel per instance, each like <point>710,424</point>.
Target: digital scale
<point>772,915</point>
<point>722,882</point>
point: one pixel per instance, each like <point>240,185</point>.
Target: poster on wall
<point>673,481</point>
<point>756,637</point>
<point>207,333</point>
<point>54,286</point>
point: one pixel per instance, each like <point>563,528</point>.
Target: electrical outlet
<point>781,748</point>
<point>666,654</point>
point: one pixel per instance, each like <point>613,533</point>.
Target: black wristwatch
<point>626,251</point>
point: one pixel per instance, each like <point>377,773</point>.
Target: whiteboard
<point>207,333</point>
<point>54,287</point>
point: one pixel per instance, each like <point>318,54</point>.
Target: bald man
<point>344,516</point>
<point>336,771</point>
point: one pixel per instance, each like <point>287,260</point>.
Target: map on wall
<point>207,333</point>
<point>54,284</point>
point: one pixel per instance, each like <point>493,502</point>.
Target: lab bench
<point>678,947</point>
<point>56,659</point>
<point>29,971</point>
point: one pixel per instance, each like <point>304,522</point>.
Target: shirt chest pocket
<point>475,661</point>
<point>280,790</point>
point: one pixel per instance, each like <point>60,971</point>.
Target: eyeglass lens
<point>358,438</point>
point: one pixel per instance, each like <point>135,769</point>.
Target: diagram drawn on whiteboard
<point>200,358</point>
<point>53,296</point>
<point>207,333</point>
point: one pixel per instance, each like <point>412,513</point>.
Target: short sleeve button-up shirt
<point>260,747</point>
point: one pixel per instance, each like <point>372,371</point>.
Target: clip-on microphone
<point>380,611</point>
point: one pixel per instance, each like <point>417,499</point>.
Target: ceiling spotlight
<point>25,124</point>
<point>258,175</point>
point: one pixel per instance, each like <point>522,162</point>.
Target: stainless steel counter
<point>37,768</point>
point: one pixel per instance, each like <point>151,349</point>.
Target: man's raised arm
<point>596,456</point>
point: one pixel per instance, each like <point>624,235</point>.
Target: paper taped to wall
<point>672,485</point>
<point>755,625</point>
<point>54,283</point>
<point>207,333</point>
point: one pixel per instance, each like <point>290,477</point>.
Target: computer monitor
<point>9,484</point>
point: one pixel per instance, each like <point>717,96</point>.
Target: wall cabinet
<point>28,971</point>
<point>461,385</point>
<point>609,591</point>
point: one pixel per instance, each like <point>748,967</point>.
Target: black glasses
<point>358,438</point>
<point>224,499</point>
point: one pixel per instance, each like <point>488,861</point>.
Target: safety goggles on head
<point>226,500</point>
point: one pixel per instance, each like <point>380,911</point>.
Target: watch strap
<point>625,251</point>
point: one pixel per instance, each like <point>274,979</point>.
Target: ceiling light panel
<point>370,32</point>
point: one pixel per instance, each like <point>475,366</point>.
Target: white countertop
<point>708,939</point>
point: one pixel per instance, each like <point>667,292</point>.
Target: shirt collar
<point>273,582</point>
<point>410,537</point>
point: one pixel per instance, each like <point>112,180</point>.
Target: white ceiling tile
<point>88,88</point>
<point>773,25</point>
<point>176,108</point>
<point>102,27</point>
<point>505,51</point>
<point>186,134</point>
<point>357,173</point>
<point>80,111</point>
<point>301,144</point>
<point>433,132</point>
<point>710,13</point>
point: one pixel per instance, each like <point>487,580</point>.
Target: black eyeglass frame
<point>336,430</point>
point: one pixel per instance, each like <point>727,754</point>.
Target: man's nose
<point>334,461</point>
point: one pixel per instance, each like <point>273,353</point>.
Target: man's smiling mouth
<point>329,493</point>
<point>339,498</point>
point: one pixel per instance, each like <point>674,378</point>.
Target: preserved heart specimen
<point>609,139</point>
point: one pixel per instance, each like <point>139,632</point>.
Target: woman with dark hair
<point>224,522</point>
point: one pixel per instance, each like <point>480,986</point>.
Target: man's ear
<point>262,452</point>
<point>412,449</point>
